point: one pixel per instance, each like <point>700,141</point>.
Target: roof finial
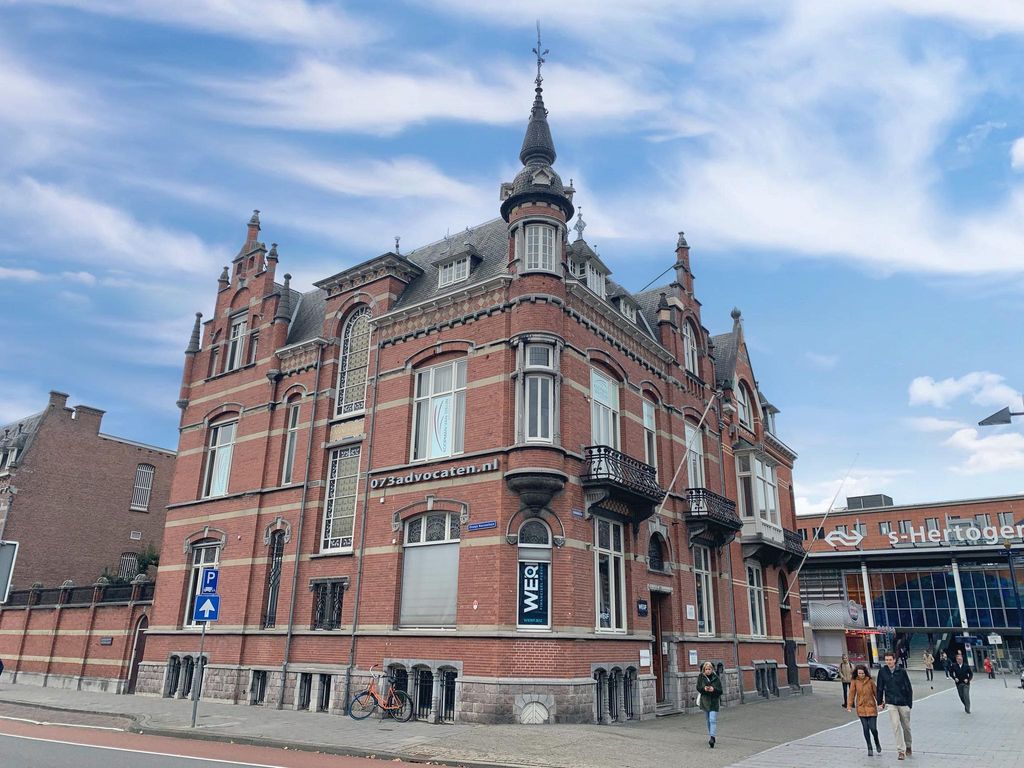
<point>448,242</point>
<point>540,57</point>
<point>580,223</point>
<point>398,250</point>
<point>193,342</point>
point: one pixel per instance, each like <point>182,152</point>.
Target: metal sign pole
<point>197,689</point>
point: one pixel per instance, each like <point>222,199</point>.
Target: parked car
<point>821,671</point>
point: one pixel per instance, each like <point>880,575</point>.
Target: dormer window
<point>540,247</point>
<point>595,279</point>
<point>453,272</point>
<point>628,311</point>
<point>543,177</point>
<point>577,269</point>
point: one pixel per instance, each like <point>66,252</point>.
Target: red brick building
<point>459,464</point>
<point>78,502</point>
<point>915,577</point>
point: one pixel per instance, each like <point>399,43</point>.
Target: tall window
<point>758,486</point>
<point>885,527</point>
<point>327,599</point>
<point>355,355</point>
<point>143,487</point>
<point>533,610</point>
<point>236,343</point>
<point>610,575</point>
<point>705,590</point>
<point>453,272</point>
<point>983,521</point>
<point>540,385</point>
<point>906,526</point>
<point>340,506</point>
<point>439,411</point>
<point>430,570</point>
<point>1005,518</point>
<point>755,600</point>
<point>291,440</point>
<point>540,247</point>
<point>694,456</point>
<point>219,449</point>
<point>690,348</point>
<point>128,566</point>
<point>604,410</point>
<point>276,557</point>
<point>254,346</point>
<point>743,406</point>
<point>656,552</point>
<point>650,436</point>
<point>931,523</point>
<point>203,554</point>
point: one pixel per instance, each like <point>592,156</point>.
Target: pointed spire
<point>681,242</point>
<point>284,305</point>
<point>254,226</point>
<point>224,277</point>
<point>193,343</point>
<point>272,256</point>
<point>538,148</point>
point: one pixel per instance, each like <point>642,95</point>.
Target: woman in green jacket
<point>709,690</point>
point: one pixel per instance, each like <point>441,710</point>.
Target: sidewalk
<point>744,732</point>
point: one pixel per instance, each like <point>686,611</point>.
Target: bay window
<point>439,411</point>
<point>758,486</point>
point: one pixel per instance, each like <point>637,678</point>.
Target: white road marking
<point>66,725</point>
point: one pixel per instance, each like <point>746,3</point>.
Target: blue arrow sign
<point>207,608</point>
<point>208,582</point>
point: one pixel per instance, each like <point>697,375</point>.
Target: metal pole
<point>1016,596</point>
<point>197,688</point>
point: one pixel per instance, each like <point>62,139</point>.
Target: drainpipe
<point>298,530</point>
<point>362,530</point>
<point>728,554</point>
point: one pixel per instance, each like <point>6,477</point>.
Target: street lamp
<point>999,418</point>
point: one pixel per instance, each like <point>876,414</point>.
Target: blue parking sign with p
<point>208,582</point>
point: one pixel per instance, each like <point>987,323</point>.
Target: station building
<point>914,577</point>
<point>459,465</point>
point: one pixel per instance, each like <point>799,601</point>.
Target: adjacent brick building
<point>914,577</point>
<point>78,502</point>
<point>459,464</point>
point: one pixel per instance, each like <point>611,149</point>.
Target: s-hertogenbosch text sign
<point>956,534</point>
<point>459,470</point>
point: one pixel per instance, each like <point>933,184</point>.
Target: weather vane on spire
<point>540,56</point>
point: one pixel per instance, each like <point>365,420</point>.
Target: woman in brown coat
<point>864,695</point>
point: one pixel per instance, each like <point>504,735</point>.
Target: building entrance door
<point>659,660</point>
<point>789,649</point>
<point>138,651</point>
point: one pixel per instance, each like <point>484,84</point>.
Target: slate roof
<point>307,316</point>
<point>648,301</point>
<point>726,347</point>
<point>19,434</point>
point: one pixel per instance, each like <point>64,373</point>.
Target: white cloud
<point>21,275</point>
<point>974,138</point>
<point>286,22</point>
<point>815,498</point>
<point>1000,452</point>
<point>933,424</point>
<point>85,278</point>
<point>1017,154</point>
<point>982,387</point>
<point>824,362</point>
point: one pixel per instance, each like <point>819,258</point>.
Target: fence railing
<point>140,592</point>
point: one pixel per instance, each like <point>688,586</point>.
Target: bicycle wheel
<point>401,706</point>
<point>363,705</point>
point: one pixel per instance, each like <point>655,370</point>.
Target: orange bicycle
<point>396,703</point>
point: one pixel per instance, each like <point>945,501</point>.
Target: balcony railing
<point>708,505</point>
<point>759,526</point>
<point>606,465</point>
<point>794,543</point>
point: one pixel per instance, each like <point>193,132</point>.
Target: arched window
<point>276,555</point>
<point>355,355</point>
<point>534,588</point>
<point>690,348</point>
<point>744,406</point>
<point>430,570</point>
<point>291,439</point>
<point>656,553</point>
<point>143,487</point>
<point>202,554</point>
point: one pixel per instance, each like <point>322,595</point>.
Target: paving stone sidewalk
<point>677,741</point>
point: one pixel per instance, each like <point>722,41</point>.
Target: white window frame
<point>220,448</point>
<point>861,528</point>
<point>596,279</point>
<point>604,410</point>
<point>650,434</point>
<point>419,526</point>
<point>1005,518</point>
<point>236,342</point>
<point>705,586</point>
<point>339,506</point>
<point>618,615</point>
<point>353,364</point>
<point>429,407</point>
<point>758,488</point>
<point>694,456</point>
<point>291,441</point>
<point>455,271</point>
<point>885,527</point>
<point>755,600</point>
<point>538,384</point>
<point>628,310</point>
<point>744,408</point>
<point>143,489</point>
<point>690,348</point>
<point>540,247</point>
<point>534,552</point>
<point>202,554</point>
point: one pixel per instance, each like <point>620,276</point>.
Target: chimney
<point>58,399</point>
<point>254,228</point>
<point>88,418</point>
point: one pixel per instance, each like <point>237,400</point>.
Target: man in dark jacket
<point>896,693</point>
<point>962,675</point>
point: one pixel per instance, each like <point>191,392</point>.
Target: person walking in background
<point>895,692</point>
<point>1,667</point>
<point>709,687</point>
<point>962,675</point>
<point>863,695</point>
<point>989,668</point>
<point>845,676</point>
<point>945,663</point>
<point>929,665</point>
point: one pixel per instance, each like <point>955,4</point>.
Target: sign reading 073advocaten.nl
<point>533,594</point>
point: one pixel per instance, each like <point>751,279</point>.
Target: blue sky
<point>851,175</point>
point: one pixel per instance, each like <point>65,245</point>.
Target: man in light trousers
<point>896,694</point>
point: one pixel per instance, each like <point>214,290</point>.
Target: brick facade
<point>588,662</point>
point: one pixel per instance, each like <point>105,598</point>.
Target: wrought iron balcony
<point>625,476</point>
<point>794,544</point>
<point>711,518</point>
